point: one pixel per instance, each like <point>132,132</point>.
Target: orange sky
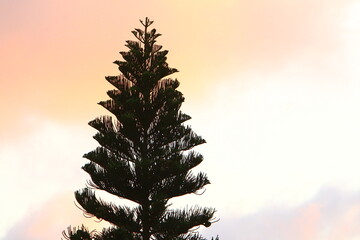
<point>56,56</point>
<point>273,86</point>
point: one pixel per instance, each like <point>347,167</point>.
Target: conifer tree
<point>145,153</point>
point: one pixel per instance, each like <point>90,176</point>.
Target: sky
<point>273,86</point>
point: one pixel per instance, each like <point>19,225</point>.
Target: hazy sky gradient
<point>273,86</point>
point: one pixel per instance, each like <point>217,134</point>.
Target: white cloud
<point>277,136</point>
<point>331,215</point>
<point>39,165</point>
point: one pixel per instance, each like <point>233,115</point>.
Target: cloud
<point>238,35</point>
<point>56,55</point>
<point>50,219</point>
<point>333,214</point>
<point>280,117</point>
<point>36,166</point>
<point>278,137</point>
<point>278,30</point>
<point>280,134</point>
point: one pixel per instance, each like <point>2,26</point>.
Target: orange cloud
<point>56,54</point>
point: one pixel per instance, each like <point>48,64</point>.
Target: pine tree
<point>146,153</point>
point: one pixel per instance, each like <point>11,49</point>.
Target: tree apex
<point>147,22</point>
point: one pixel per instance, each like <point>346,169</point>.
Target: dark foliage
<point>145,153</point>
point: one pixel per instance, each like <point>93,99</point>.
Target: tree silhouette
<point>145,154</point>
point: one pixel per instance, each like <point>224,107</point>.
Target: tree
<point>146,152</point>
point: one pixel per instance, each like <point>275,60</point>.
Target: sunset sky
<point>273,86</point>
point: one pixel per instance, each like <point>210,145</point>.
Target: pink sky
<point>273,86</point>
